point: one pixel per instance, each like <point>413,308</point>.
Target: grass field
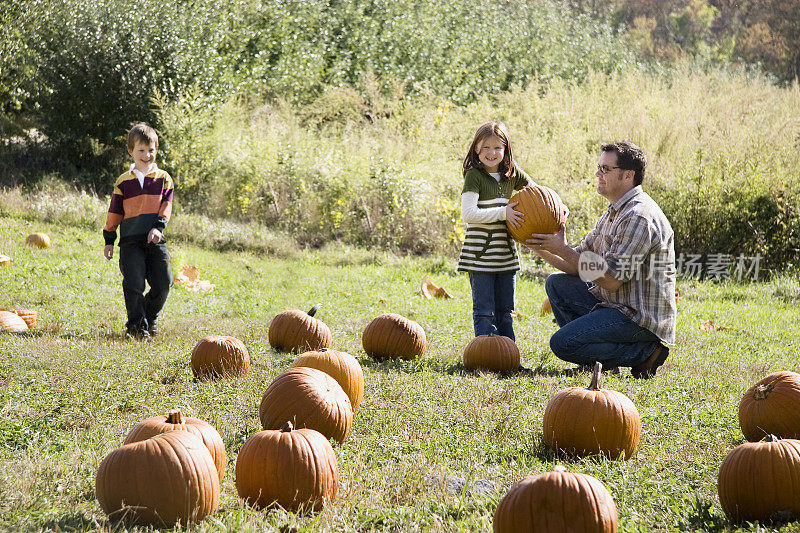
<point>72,388</point>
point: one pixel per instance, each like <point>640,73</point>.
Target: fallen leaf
<point>430,290</point>
<point>518,314</point>
<point>189,277</point>
<point>5,260</point>
<point>709,325</point>
<point>546,308</point>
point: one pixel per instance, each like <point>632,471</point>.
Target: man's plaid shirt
<point>637,242</point>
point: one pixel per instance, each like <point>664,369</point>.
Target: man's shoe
<point>648,369</point>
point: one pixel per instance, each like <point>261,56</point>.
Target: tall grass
<point>721,147</point>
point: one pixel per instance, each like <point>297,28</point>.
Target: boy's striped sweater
<point>137,209</point>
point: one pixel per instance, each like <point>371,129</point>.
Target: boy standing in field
<point>140,206</point>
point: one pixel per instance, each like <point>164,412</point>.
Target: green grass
<point>72,388</point>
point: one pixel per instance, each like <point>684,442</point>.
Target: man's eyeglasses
<point>605,169</point>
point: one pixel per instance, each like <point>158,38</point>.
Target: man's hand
<point>154,236</point>
<point>108,251</point>
<point>513,217</point>
<point>553,243</point>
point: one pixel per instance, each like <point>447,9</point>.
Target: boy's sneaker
<point>137,334</point>
<point>152,329</point>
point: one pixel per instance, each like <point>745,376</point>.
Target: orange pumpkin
<point>40,240</point>
<point>28,315</point>
<point>557,501</point>
<point>161,481</point>
<point>4,260</point>
<point>491,352</point>
<point>12,323</point>
<point>759,481</point>
<point>587,421</point>
<point>341,366</point>
<point>219,356</point>
<point>295,468</point>
<point>391,336</point>
<point>309,398</point>
<point>296,331</point>
<point>176,421</point>
<point>772,406</point>
<point>542,212</point>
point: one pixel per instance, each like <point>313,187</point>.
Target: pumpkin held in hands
<point>12,323</point>
<point>176,421</point>
<point>542,210</point>
<point>297,331</point>
<point>309,398</point>
<point>160,481</point>
<point>592,420</point>
<point>391,336</point>
<point>219,356</point>
<point>772,406</point>
<point>491,352</point>
<point>557,501</point>
<point>39,240</point>
<point>341,366</point>
<point>295,468</point>
<point>759,480</point>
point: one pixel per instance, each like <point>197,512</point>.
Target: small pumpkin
<point>28,315</point>
<point>546,308</point>
<point>491,352</point>
<point>12,323</point>
<point>542,209</point>
<point>219,356</point>
<point>309,398</point>
<point>295,468</point>
<point>174,420</point>
<point>160,481</point>
<point>772,406</point>
<point>592,420</point>
<point>392,336</point>
<point>341,366</point>
<point>759,480</point>
<point>296,331</point>
<point>4,260</point>
<point>40,240</point>
<point>557,501</point>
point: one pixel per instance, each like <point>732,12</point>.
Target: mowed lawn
<point>72,388</point>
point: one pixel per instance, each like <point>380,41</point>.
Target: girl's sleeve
<point>472,214</point>
<point>522,180</point>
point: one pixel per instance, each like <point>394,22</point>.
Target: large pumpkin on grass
<point>28,315</point>
<point>556,502</point>
<point>308,398</point>
<point>295,468</point>
<point>161,481</point>
<point>39,240</point>
<point>176,421</point>
<point>592,420</point>
<point>542,212</point>
<point>491,352</point>
<point>341,366</point>
<point>760,480</point>
<point>297,331</point>
<point>392,336</point>
<point>219,356</point>
<point>772,406</point>
<point>12,323</point>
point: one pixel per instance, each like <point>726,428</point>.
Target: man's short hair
<point>629,157</point>
<point>142,133</point>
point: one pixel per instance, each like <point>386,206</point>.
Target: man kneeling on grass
<point>615,300</point>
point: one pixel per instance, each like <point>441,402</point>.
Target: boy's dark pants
<point>139,262</point>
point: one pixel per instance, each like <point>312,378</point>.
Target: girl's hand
<point>513,217</point>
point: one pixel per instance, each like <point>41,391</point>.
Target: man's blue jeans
<point>588,334</point>
<point>492,303</point>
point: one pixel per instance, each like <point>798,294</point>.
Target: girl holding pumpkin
<point>488,253</point>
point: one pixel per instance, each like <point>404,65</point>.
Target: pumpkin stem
<point>287,427</point>
<point>762,391</point>
<point>595,384</point>
<point>770,438</point>
<point>313,310</point>
<point>559,468</point>
<point>174,416</point>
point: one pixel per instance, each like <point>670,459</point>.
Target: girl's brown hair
<point>507,166</point>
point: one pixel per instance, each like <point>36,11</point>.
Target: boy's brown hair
<point>142,133</point>
<point>507,166</point>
